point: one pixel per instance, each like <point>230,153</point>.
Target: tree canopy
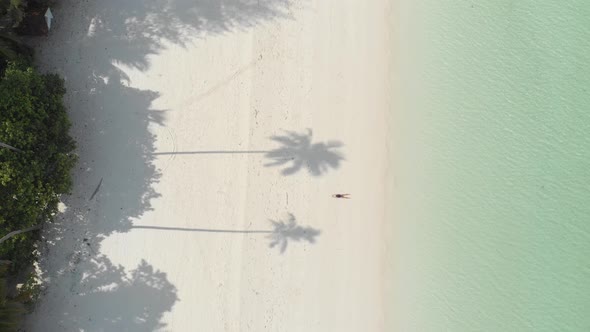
<point>11,311</point>
<point>33,120</point>
<point>11,12</point>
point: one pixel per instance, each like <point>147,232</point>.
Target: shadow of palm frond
<point>112,122</point>
<point>284,232</point>
<point>297,151</point>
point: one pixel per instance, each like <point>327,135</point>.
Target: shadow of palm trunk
<point>280,235</point>
<point>296,152</point>
<point>90,47</point>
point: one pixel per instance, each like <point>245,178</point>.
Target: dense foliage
<point>35,158</point>
<point>10,311</point>
<point>34,120</point>
<point>12,12</point>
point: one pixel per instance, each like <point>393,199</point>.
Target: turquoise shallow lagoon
<point>491,172</point>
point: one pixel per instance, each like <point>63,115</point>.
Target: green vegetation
<point>36,156</point>
<point>11,311</point>
<point>11,47</point>
<point>34,121</point>
<point>11,12</point>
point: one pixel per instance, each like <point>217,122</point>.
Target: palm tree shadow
<point>297,151</point>
<point>94,47</point>
<point>284,232</point>
<point>280,235</point>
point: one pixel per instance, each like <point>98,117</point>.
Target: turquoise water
<point>491,177</point>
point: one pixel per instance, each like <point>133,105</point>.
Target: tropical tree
<point>11,15</point>
<point>33,118</point>
<point>11,47</point>
<point>12,12</point>
<point>11,312</point>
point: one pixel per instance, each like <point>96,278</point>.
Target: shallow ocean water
<point>491,168</point>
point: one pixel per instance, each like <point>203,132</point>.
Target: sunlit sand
<point>212,136</point>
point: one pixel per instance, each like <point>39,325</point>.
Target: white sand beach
<point>211,136</point>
